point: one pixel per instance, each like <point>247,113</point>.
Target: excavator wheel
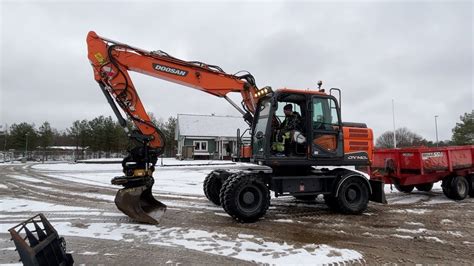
<point>213,184</point>
<point>353,196</point>
<point>245,197</point>
<point>139,204</point>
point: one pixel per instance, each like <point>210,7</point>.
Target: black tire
<point>245,198</point>
<point>459,188</point>
<point>353,196</point>
<point>446,186</point>
<point>470,180</point>
<point>225,184</point>
<point>424,187</point>
<point>213,184</point>
<point>331,202</point>
<point>405,189</point>
<point>306,197</point>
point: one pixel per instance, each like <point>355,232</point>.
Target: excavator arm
<point>111,62</point>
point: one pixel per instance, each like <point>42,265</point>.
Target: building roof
<point>191,125</point>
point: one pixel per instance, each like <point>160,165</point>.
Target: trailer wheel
<point>353,196</point>
<point>446,186</point>
<point>424,187</point>
<point>405,189</point>
<point>213,184</point>
<point>459,188</point>
<point>245,197</point>
<point>331,202</point>
<point>470,180</point>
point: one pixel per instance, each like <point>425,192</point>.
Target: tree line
<point>102,134</point>
<point>463,134</point>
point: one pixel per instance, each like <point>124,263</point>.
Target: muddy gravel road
<point>423,227</point>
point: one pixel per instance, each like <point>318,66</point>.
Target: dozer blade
<point>139,204</point>
<point>378,193</point>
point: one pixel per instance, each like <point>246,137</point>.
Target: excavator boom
<point>111,62</point>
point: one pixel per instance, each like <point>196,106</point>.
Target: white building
<point>209,136</point>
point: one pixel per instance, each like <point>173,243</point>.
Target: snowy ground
<point>78,200</point>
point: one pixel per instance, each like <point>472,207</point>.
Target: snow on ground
<point>29,179</point>
<point>161,161</point>
<point>414,211</point>
<point>411,231</point>
<point>184,179</point>
<point>245,247</point>
<point>77,167</point>
<point>415,223</point>
<point>390,189</point>
<point>446,221</point>
<point>250,249</point>
<point>23,205</point>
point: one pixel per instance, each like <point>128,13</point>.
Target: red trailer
<point>420,167</point>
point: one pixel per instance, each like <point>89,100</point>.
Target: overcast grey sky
<point>417,53</point>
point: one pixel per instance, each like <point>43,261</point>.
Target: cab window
<point>324,113</point>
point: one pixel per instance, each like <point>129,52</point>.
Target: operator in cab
<point>286,131</point>
<point>292,119</point>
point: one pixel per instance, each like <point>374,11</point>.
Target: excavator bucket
<point>139,204</point>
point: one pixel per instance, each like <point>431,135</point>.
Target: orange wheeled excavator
<point>284,164</point>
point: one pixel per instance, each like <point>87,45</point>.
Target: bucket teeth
<point>139,204</point>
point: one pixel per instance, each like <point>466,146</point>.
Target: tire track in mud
<point>74,194</point>
<point>53,190</point>
<point>49,189</point>
<point>63,192</point>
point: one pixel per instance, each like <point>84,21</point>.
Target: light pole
<point>436,129</point>
<point>26,146</point>
<point>394,129</point>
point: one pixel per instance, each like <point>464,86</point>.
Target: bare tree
<point>403,136</point>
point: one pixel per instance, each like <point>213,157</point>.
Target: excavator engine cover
<point>138,203</point>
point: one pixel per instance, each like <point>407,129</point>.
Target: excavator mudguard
<point>139,204</point>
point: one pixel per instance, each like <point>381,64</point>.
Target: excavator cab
<point>319,137</point>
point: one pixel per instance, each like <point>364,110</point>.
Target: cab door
<point>326,141</point>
